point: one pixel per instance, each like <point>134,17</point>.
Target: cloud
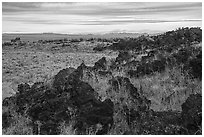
<point>87,14</point>
<point>65,20</point>
<point>97,9</point>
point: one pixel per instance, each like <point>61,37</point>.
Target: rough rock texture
<point>192,113</point>
<point>22,97</point>
<point>61,77</point>
<point>101,64</point>
<point>68,98</point>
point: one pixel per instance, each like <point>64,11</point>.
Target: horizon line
<point>96,33</point>
<point>100,33</point>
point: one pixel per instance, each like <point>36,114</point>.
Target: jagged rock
<point>91,110</point>
<point>68,97</point>
<point>60,78</point>
<point>22,97</point>
<point>77,74</point>
<point>192,113</point>
<point>101,64</point>
<point>80,92</point>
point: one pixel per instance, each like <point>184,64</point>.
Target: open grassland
<point>24,66</point>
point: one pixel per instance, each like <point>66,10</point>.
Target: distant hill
<point>51,36</point>
<point>169,40</point>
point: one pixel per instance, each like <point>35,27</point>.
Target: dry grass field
<point>24,66</point>
<point>36,62</point>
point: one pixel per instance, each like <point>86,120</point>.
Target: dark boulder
<point>192,113</point>
<point>41,104</point>
<point>91,111</point>
<point>80,92</point>
<point>50,113</point>
<point>22,97</point>
<point>77,74</point>
<point>68,98</point>
<point>61,77</point>
<point>101,64</point>
<point>94,113</point>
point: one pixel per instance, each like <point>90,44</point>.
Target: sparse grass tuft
<point>168,90</point>
<point>67,129</point>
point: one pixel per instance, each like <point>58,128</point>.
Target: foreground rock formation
<point>69,98</point>
<point>192,114</point>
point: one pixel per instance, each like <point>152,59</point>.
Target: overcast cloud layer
<point>99,17</point>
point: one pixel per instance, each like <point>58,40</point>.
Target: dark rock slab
<point>192,113</point>
<point>101,64</point>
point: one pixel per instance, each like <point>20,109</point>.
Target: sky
<point>72,17</point>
